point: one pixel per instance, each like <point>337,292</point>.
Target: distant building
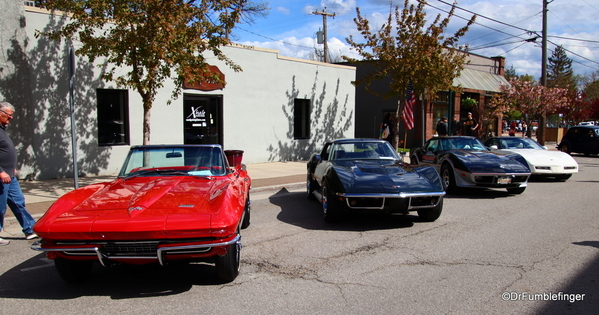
<point>480,80</point>
<point>277,109</point>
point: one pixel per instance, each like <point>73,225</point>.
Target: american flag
<point>408,110</point>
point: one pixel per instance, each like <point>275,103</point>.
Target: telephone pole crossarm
<point>324,29</point>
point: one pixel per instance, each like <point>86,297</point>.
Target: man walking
<point>10,190</point>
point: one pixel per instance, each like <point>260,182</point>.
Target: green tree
<point>510,73</point>
<point>156,40</point>
<point>409,48</point>
<point>559,70</point>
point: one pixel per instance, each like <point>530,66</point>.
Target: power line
<point>488,18</point>
<point>275,40</point>
<point>573,53</point>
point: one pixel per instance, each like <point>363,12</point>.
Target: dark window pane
<point>113,117</point>
<point>301,119</point>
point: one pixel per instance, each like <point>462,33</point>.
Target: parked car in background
<point>169,203</point>
<point>542,162</point>
<point>466,162</point>
<point>580,139</point>
<point>367,175</point>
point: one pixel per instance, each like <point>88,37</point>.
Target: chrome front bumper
<point>434,196</point>
<point>160,251</point>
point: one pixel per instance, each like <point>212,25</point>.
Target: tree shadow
<point>38,86</point>
<point>328,121</point>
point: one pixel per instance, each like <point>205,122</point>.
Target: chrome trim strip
<point>160,250</point>
<point>399,195</point>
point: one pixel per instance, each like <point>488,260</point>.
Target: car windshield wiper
<point>160,172</point>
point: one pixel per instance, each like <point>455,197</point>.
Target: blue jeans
<point>11,195</point>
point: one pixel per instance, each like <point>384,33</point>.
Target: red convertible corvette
<point>168,203</point>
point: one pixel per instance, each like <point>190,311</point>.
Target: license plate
<point>504,180</point>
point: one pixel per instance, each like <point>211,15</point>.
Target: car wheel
<point>310,185</point>
<point>448,178</point>
<point>565,147</point>
<point>563,177</point>
<point>246,213</point>
<point>431,214</point>
<point>413,160</point>
<point>227,266</point>
<point>330,205</point>
<point>516,191</point>
<point>73,271</point>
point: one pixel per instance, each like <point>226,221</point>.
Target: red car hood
<point>138,208</point>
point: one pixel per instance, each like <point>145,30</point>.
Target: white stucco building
<point>276,109</point>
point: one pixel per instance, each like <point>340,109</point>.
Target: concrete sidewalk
<point>39,195</point>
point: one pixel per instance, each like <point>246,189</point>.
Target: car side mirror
<point>493,147</point>
<point>317,158</point>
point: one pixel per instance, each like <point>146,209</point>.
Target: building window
<point>113,117</point>
<point>301,119</point>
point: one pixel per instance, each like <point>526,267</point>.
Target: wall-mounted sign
<point>207,85</point>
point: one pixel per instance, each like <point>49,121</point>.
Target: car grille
<point>130,248</point>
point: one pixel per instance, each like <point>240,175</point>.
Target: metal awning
<point>480,80</point>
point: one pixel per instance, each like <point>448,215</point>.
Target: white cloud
<point>283,10</point>
<point>574,19</point>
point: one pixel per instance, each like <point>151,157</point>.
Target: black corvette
<point>367,175</point>
<point>466,162</point>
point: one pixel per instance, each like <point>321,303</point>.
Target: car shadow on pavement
<point>298,210</point>
<point>36,278</point>
<point>479,193</point>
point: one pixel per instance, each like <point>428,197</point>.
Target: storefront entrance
<point>202,119</point>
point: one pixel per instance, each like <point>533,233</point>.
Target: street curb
<point>276,188</point>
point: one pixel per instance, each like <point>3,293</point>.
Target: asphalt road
<point>489,253</point>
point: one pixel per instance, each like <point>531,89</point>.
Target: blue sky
<point>501,28</point>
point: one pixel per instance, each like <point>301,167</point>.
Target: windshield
<point>362,151</point>
<point>169,161</point>
<point>469,144</point>
<point>519,143</point>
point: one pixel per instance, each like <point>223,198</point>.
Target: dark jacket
<point>8,153</point>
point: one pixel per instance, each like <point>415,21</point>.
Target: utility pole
<point>324,29</point>
<point>542,120</point>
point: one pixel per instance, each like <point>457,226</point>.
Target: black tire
<point>431,214</point>
<point>73,271</point>
<point>448,179</point>
<point>330,205</point>
<point>413,160</point>
<point>227,266</point>
<point>310,186</point>
<point>565,147</point>
<point>563,177</point>
<point>516,191</point>
<point>246,213</point>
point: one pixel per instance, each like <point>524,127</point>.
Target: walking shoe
<point>30,236</point>
<point>3,241</point>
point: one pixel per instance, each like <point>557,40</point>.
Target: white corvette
<point>542,162</point>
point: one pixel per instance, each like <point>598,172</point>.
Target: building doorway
<point>202,119</point>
